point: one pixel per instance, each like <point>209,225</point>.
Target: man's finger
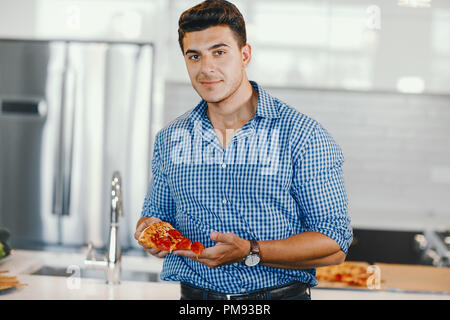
<point>192,255</point>
<point>162,254</point>
<point>139,229</point>
<point>137,234</point>
<point>207,254</point>
<point>144,223</point>
<point>221,237</point>
<point>185,253</point>
<point>156,252</point>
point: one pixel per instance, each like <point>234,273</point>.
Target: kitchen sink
<point>125,275</point>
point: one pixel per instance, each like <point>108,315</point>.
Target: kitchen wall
<point>344,44</point>
<point>375,74</point>
<point>396,147</point>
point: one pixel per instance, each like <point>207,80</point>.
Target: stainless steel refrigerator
<point>72,113</point>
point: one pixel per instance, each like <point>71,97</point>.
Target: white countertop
<point>60,288</point>
<point>24,262</point>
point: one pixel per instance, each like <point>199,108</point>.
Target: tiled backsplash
<point>396,147</point>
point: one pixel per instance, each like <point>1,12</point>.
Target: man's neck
<point>228,116</point>
<point>235,111</point>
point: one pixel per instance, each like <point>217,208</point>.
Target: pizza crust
<point>158,229</point>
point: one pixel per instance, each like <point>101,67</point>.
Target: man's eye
<point>193,57</point>
<point>220,52</point>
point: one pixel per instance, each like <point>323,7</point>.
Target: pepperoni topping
<point>197,248</point>
<point>175,234</point>
<point>164,243</point>
<point>184,244</point>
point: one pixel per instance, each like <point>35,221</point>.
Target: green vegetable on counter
<point>2,252</point>
<point>5,250</point>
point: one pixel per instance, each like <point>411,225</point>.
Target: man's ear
<point>246,53</point>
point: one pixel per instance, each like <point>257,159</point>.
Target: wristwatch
<point>253,257</point>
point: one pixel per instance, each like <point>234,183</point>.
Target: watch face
<point>252,260</point>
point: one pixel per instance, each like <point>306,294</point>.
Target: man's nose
<point>207,64</point>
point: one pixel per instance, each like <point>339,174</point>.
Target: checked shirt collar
<point>267,108</point>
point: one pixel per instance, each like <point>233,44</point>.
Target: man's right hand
<point>143,223</point>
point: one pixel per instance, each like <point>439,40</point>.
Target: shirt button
<point>224,201</point>
<point>235,264</point>
<point>243,290</point>
<point>224,165</point>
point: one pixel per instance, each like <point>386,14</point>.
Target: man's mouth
<point>210,83</point>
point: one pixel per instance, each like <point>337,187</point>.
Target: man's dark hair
<point>212,13</point>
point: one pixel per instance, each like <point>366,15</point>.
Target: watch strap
<point>254,247</point>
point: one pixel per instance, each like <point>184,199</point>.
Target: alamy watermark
<point>374,280</point>
<point>203,146</point>
<point>373,21</point>
<point>73,282</point>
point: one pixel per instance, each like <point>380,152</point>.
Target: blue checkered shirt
<point>281,174</point>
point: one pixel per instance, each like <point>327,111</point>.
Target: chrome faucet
<point>111,261</point>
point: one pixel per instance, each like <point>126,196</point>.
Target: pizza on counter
<point>351,273</point>
<point>8,282</point>
<point>163,236</point>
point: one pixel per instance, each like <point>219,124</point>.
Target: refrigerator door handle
<point>63,177</point>
<point>68,150</point>
<point>58,178</point>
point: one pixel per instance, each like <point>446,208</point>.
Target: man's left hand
<point>228,249</point>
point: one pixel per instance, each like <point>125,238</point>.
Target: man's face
<point>215,63</point>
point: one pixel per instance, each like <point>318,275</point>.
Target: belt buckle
<point>230,296</point>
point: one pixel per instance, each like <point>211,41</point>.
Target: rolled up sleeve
<point>159,202</point>
<point>319,189</point>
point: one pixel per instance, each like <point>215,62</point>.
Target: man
<point>257,182</point>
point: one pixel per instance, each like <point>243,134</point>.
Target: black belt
<point>292,289</point>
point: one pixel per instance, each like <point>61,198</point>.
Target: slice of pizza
<point>351,273</point>
<point>163,236</point>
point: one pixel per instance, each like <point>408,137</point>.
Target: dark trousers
<point>291,291</point>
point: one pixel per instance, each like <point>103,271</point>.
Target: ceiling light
<point>414,3</point>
